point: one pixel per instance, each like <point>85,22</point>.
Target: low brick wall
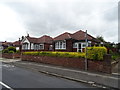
<point>93,65</point>
<point>11,55</point>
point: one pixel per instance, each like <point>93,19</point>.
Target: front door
<point>79,47</point>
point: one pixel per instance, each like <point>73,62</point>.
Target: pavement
<point>101,80</point>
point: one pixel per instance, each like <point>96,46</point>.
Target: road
<point>16,77</point>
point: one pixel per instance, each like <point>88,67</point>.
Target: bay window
<point>41,46</point>
<point>60,45</point>
<point>25,46</point>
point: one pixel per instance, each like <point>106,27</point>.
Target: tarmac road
<point>16,77</point>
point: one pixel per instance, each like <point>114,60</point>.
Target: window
<point>36,47</point>
<point>50,47</point>
<point>25,46</point>
<point>56,45</point>
<point>84,45</point>
<point>60,45</point>
<point>64,45</point>
<point>41,46</point>
<point>74,45</point>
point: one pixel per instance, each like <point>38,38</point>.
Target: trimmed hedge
<point>96,53</point>
<point>10,49</point>
<point>57,54</point>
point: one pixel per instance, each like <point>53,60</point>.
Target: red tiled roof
<point>16,43</point>
<point>6,43</point>
<point>43,39</point>
<point>79,35</point>
<point>32,39</point>
<point>63,36</point>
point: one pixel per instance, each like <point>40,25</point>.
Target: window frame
<point>60,45</point>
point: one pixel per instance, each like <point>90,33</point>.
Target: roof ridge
<point>62,34</point>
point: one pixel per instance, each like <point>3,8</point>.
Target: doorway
<point>79,48</point>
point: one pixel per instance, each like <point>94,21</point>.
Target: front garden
<point>11,53</point>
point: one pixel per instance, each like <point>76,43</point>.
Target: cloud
<point>10,24</point>
<point>53,17</point>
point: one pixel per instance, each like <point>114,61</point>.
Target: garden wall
<point>11,55</point>
<point>93,65</point>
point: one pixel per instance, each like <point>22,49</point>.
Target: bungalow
<point>43,43</point>
<point>17,45</point>
<point>4,45</point>
<point>73,42</point>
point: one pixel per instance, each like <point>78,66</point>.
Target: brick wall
<point>11,55</point>
<point>69,45</point>
<point>93,65</point>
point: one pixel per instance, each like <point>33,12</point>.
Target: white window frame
<point>36,46</point>
<point>75,45</point>
<point>50,47</point>
<point>25,46</point>
<point>40,47</point>
<point>60,45</point>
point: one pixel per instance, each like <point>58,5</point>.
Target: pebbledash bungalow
<point>66,42</point>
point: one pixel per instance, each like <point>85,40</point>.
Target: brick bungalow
<point>17,45</point>
<point>73,42</point>
<point>43,43</point>
<point>4,45</point>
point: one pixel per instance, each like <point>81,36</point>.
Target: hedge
<point>57,54</point>
<point>96,53</point>
<point>10,49</point>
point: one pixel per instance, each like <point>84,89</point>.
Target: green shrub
<point>5,51</point>
<point>17,51</point>
<point>11,48</point>
<point>96,53</point>
<point>57,54</point>
<point>31,53</point>
<point>115,56</point>
<point>10,51</point>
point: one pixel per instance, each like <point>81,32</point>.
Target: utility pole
<point>86,63</point>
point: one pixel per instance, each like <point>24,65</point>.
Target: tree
<point>100,38</point>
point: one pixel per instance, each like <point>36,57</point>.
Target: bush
<point>96,53</point>
<point>17,51</point>
<point>115,56</point>
<point>5,51</point>
<point>11,49</point>
<point>57,54</point>
<point>31,53</point>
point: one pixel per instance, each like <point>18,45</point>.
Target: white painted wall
<point>17,48</point>
<point>32,46</point>
<point>26,41</point>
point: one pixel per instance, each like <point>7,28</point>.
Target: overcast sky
<point>53,17</point>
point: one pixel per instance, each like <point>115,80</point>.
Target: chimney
<point>27,35</point>
<point>22,37</point>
